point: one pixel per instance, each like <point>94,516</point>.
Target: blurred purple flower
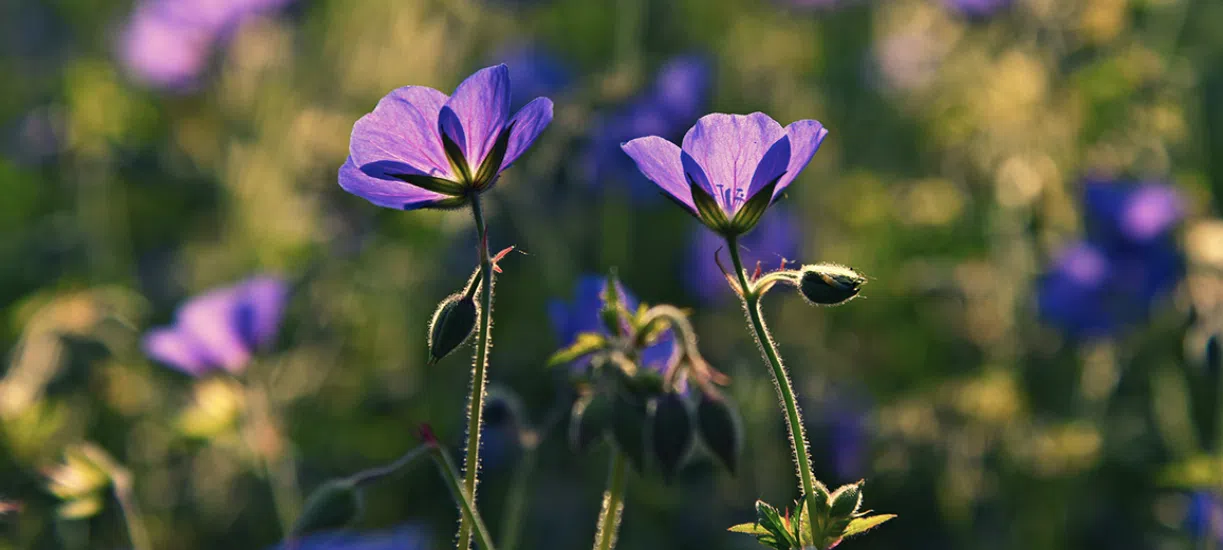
<point>1204,516</point>
<point>422,149</point>
<point>167,43</point>
<point>407,537</point>
<point>678,95</point>
<point>1097,287</point>
<point>729,159</point>
<point>535,72</point>
<point>1120,215</point>
<point>776,237</point>
<point>582,315</point>
<point>221,329</point>
<point>977,9</point>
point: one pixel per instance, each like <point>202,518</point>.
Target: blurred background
<point>1032,187</point>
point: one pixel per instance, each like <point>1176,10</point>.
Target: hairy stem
<point>475,405</point>
<point>785,391</point>
<point>466,504</point>
<point>613,503</point>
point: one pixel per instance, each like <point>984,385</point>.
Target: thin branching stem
<point>475,405</point>
<point>781,381</point>
<point>374,474</point>
<point>613,504</point>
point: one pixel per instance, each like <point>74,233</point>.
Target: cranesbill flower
<point>420,148</point>
<point>221,329</point>
<point>1124,216</point>
<point>407,537</point>
<point>167,43</point>
<point>582,315</point>
<point>1204,518</point>
<point>977,9</point>
<point>774,239</point>
<point>731,167</point>
<point>669,106</point>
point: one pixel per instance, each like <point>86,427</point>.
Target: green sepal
<point>492,161</point>
<point>750,213</point>
<point>430,183</point>
<point>707,209</point>
<point>721,428</point>
<point>585,344</point>
<point>846,500</point>
<point>672,433</point>
<point>628,427</point>
<point>857,526</point>
<point>589,422</point>
<point>458,161</point>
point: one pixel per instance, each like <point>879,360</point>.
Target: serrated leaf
<point>857,526</point>
<point>768,518</point>
<point>585,344</point>
<point>749,529</point>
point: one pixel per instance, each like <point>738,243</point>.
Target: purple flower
<point>977,9</point>
<point>221,329</point>
<point>407,537</point>
<point>167,43</point>
<point>422,149</point>
<point>671,104</point>
<point>775,238</point>
<point>730,168</point>
<point>535,71</point>
<point>1205,516</point>
<point>1120,215</point>
<point>582,315</point>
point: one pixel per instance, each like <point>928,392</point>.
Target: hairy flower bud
<point>333,505</point>
<point>845,500</point>
<point>628,427</point>
<point>452,324</point>
<point>829,284</point>
<point>591,417</point>
<point>721,428</point>
<point>671,433</point>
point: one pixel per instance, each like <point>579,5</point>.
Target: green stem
<point>516,502</point>
<point>279,470</point>
<point>466,504</point>
<point>781,381</point>
<point>121,479</point>
<point>475,405</point>
<point>613,503</point>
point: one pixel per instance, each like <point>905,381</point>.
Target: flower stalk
<point>479,376</point>
<point>785,391</point>
<point>613,503</point>
<point>467,505</point>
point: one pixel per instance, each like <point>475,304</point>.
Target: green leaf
<point>768,517</point>
<point>749,529</point>
<point>750,213</point>
<point>585,344</point>
<point>491,165</point>
<point>430,183</point>
<point>863,524</point>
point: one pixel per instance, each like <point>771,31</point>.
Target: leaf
<point>749,529</point>
<point>863,524</point>
<point>585,344</point>
<point>768,517</point>
<point>1202,471</point>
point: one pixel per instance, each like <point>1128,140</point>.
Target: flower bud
<point>845,501</point>
<point>332,506</point>
<point>721,428</point>
<point>829,284</point>
<point>591,417</point>
<point>628,427</point>
<point>452,324</point>
<point>671,433</point>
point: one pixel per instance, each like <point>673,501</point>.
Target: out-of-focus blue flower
<point>777,236</point>
<point>582,315</point>
<point>1097,287</point>
<point>977,9</point>
<point>1204,516</point>
<point>672,103</point>
<point>423,149</point>
<point>407,537</point>
<point>728,159</point>
<point>1120,215</point>
<point>167,43</point>
<point>222,329</point>
<point>535,72</point>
